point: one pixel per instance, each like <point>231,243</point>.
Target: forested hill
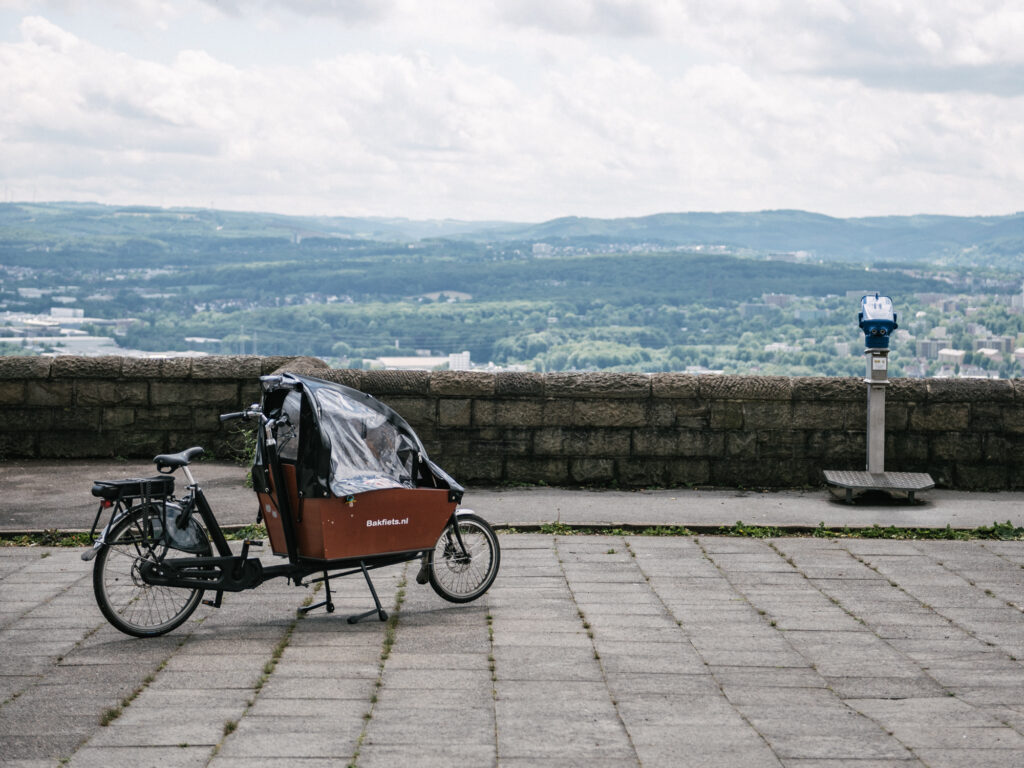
<point>948,240</point>
<point>996,241</point>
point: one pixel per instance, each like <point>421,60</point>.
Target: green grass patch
<point>997,531</point>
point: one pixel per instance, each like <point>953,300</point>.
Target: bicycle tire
<point>461,577</point>
<point>126,601</point>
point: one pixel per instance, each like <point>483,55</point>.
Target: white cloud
<point>518,109</point>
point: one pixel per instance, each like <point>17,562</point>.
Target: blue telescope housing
<point>877,320</point>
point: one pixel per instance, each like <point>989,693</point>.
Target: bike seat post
<point>188,475</point>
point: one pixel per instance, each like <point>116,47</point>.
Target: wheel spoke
<point>128,602</point>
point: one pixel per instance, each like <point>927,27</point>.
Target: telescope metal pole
<point>877,380</point>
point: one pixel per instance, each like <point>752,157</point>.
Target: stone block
<point>349,377</point>
<point>956,447</point>
<point>897,416</point>
<point>977,477</point>
<point>18,446</point>
<point>117,418</point>
<point>12,392</point>
<point>420,412</point>
<point>988,417</point>
<point>508,413</point>
<point>903,390</point>
<point>828,389</point>
<point>655,442</point>
<point>558,411</point>
<point>609,413</point>
<point>692,414</point>
<point>59,394</point>
<point>25,367</point>
<point>767,415</point>
<point>1013,419</point>
<point>455,413</point>
<point>818,414</point>
<point>675,386</point>
<point>215,393</point>
<point>72,367</point>
<point>73,419</point>
<point>176,368</point>
<point>163,418</point>
<point>519,384</point>
<point>481,470</point>
<point>746,387</point>
<point>517,442</point>
<point>380,383</point>
<point>141,368</point>
<point>227,367</point>
<point>26,419</point>
<point>940,417</point>
<point>303,365</point>
<point>592,471</point>
<point>969,390</point>
<point>65,444</point>
<point>208,420</point>
<point>912,447</point>
<point>536,471</point>
<point>741,445</point>
<point>726,415</point>
<point>687,472</point>
<point>661,413</point>
<point>249,393</point>
<point>549,441</point>
<point>592,442</point>
<point>836,449</point>
<point>603,385</point>
<point>781,444</point>
<point>111,392</point>
<point>642,473</point>
<point>462,383</point>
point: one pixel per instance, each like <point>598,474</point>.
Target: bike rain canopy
<point>344,441</point>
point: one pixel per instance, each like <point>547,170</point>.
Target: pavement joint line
<point>953,623</point>
<point>390,637</point>
<point>37,679</point>
<point>597,656</point>
<point>810,662</point>
<point>921,669</point>
<point>230,726</point>
<point>711,671</point>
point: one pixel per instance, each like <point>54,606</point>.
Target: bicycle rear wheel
<point>129,603</point>
<point>459,574</point>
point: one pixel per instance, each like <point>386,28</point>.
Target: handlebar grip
<point>233,416</point>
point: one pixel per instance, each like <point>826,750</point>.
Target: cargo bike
<point>344,487</point>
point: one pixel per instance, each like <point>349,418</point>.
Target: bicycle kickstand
<point>327,601</point>
<point>379,610</point>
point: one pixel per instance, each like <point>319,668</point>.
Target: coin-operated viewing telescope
<point>877,320</point>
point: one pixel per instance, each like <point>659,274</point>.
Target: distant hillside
<point>981,242</point>
<point>997,240</point>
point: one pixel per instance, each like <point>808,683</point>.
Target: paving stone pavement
<point>587,651</point>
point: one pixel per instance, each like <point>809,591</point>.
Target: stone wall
<point>629,430</point>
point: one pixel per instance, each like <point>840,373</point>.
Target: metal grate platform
<point>900,482</point>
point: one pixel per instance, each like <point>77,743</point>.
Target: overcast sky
<point>516,109</point>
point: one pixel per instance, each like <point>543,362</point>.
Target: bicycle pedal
<point>254,542</point>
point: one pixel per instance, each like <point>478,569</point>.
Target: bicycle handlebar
<point>247,414</point>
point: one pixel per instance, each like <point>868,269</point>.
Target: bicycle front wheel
<point>463,564</point>
<point>129,603</point>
